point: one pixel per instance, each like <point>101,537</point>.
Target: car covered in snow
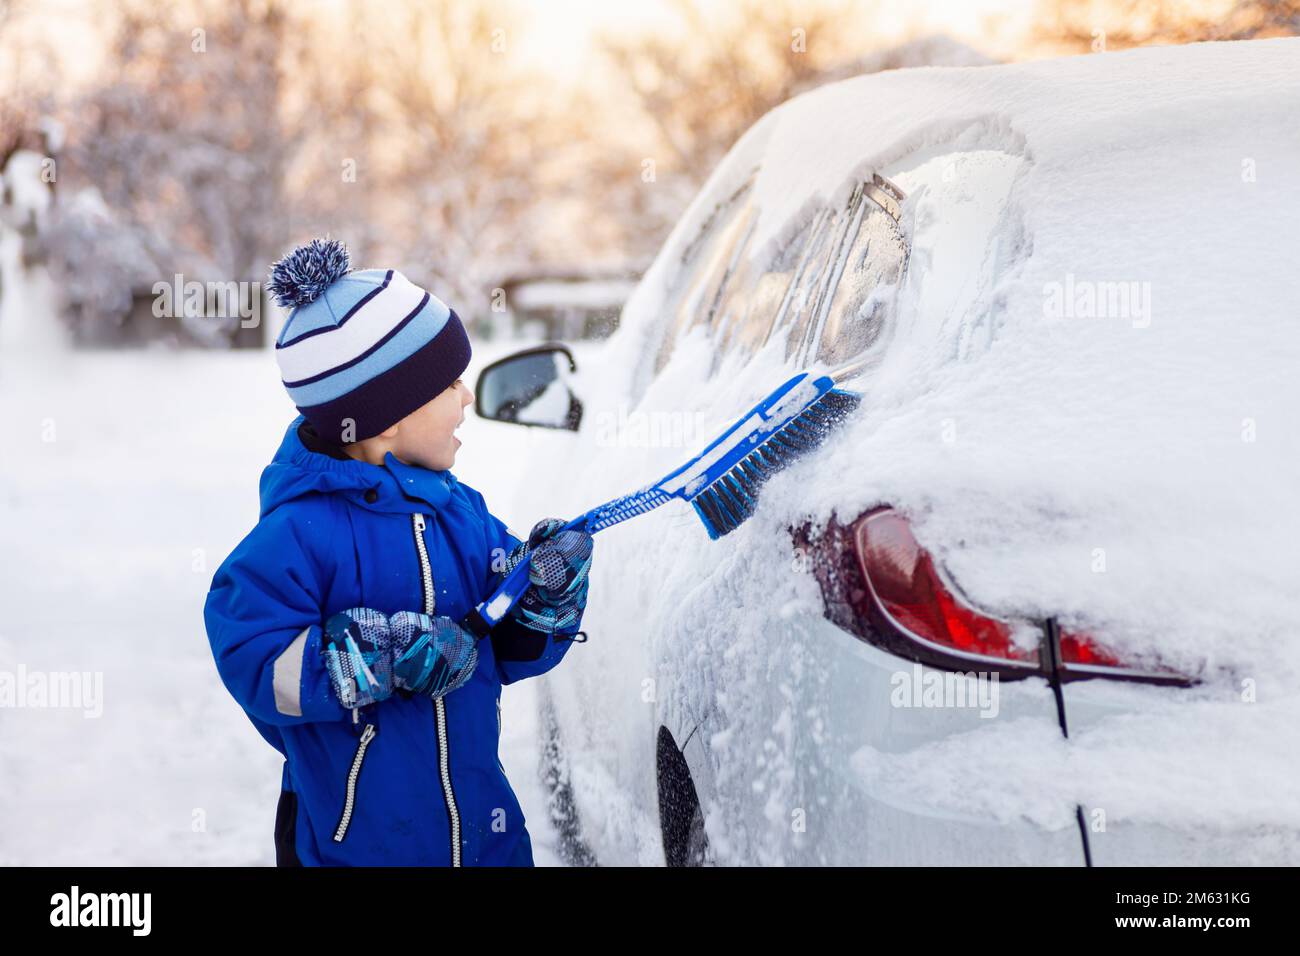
<point>1035,601</point>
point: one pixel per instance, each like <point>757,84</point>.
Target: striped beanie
<point>360,350</point>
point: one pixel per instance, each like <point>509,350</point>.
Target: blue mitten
<point>357,647</point>
<point>558,569</point>
<point>431,656</point>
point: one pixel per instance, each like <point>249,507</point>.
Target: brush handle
<point>499,603</point>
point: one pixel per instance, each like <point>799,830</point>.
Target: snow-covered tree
<point>1099,25</point>
<point>185,150</point>
<point>440,141</point>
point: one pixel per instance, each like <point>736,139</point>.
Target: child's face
<point>425,437</point>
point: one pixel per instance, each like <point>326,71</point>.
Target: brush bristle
<point>725,504</point>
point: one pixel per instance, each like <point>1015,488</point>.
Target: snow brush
<point>721,482</point>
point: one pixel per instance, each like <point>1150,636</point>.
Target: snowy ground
<point>125,480</point>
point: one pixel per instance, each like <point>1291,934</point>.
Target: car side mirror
<point>530,388</point>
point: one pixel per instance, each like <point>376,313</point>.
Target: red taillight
<point>1078,648</point>
<point>909,591</point>
<point>880,584</point>
<point>1082,655</point>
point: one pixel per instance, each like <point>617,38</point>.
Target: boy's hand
<point>560,562</point>
<point>369,655</point>
<point>432,656</point>
<point>558,569</point>
<point>357,647</point>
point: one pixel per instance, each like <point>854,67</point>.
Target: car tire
<point>681,822</point>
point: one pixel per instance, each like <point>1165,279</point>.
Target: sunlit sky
<point>558,35</point>
<point>561,32</point>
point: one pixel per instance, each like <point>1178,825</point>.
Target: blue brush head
<point>731,498</point>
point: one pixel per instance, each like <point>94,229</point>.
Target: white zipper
<point>439,705</point>
<point>367,735</point>
<point>426,572</point>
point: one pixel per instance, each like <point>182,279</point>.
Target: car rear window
<point>830,290</point>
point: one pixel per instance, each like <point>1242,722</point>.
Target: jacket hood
<point>304,465</point>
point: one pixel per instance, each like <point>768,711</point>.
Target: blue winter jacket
<point>407,781</point>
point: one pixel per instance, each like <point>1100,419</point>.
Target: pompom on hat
<point>361,349</point>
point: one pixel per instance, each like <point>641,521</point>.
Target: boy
<point>334,622</point>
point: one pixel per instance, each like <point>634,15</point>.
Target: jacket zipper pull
<point>419,522</point>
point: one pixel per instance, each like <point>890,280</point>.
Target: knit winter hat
<point>360,350</point>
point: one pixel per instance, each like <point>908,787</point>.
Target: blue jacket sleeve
<point>520,651</point>
<point>263,617</point>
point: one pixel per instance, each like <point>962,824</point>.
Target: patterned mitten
<point>558,570</point>
<point>431,656</point>
<point>357,648</point>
